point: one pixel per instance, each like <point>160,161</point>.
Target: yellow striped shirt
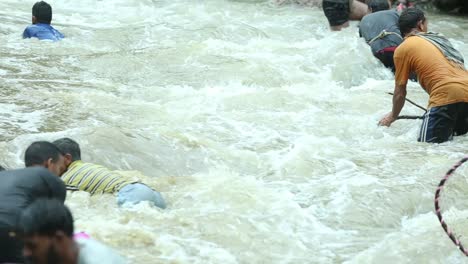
<point>93,178</point>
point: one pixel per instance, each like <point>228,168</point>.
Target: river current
<point>257,124</point>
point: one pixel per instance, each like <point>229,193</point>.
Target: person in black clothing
<point>18,189</point>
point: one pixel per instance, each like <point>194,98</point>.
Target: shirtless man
<point>339,12</point>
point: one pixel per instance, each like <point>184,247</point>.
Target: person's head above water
<point>46,227</point>
<point>41,13</point>
<point>379,5</point>
<point>45,154</point>
<point>69,148</point>
<point>412,19</point>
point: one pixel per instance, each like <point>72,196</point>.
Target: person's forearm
<point>399,96</point>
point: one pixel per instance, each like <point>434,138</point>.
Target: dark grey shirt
<point>18,188</point>
<point>373,24</point>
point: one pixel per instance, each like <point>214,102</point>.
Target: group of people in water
<point>36,226</point>
<point>34,222</point>
<point>400,39</point>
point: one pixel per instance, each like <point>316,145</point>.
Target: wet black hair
<point>1,168</point>
<point>378,5</point>
<point>43,12</point>
<point>45,216</point>
<point>409,19</point>
<point>39,152</point>
<point>69,146</point>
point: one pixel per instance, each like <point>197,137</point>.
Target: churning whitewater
<point>257,124</point>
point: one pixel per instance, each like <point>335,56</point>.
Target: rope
<point>413,103</point>
<point>449,232</point>
<point>410,116</point>
<point>383,34</point>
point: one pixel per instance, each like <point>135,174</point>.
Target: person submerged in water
<point>339,12</point>
<point>47,231</point>
<point>41,28</point>
<point>441,72</point>
<point>94,178</point>
<point>381,32</point>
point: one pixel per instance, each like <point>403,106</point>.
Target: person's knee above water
<point>339,12</point>
<point>46,228</point>
<point>441,72</point>
<point>47,155</point>
<point>95,179</point>
<point>18,189</point>
<point>381,32</point>
<point>41,28</point>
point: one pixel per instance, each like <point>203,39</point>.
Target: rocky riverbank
<point>450,6</point>
<point>458,6</point>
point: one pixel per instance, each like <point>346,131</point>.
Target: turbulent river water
<point>257,124</point>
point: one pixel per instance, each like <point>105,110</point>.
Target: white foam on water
<point>257,124</point>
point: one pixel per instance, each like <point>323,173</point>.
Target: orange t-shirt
<point>444,82</point>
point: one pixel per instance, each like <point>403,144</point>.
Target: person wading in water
<point>441,72</point>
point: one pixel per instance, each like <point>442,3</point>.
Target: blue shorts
<point>441,123</point>
<point>138,192</point>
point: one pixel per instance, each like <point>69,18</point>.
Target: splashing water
<point>257,124</point>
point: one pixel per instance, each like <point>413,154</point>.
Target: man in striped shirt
<point>97,179</point>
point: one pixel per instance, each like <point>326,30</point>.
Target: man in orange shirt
<point>441,72</point>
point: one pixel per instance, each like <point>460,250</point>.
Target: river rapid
<point>257,124</point>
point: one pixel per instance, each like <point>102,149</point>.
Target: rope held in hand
<point>410,116</point>
<point>437,207</point>
<point>413,103</point>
